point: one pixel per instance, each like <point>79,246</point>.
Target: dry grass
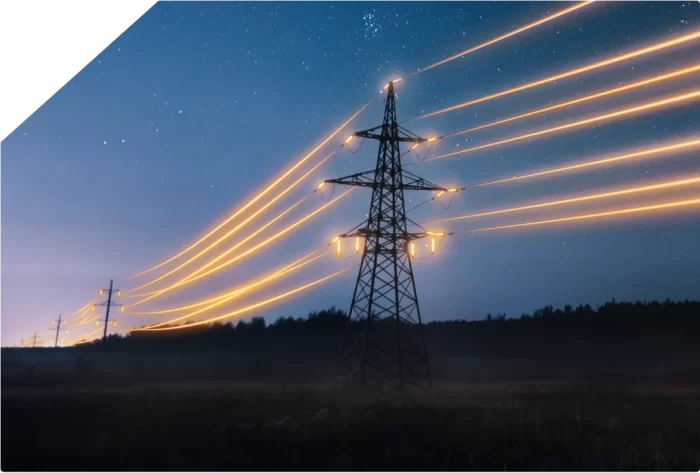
<point>231,426</point>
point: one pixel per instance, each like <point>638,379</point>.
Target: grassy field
<point>549,425</point>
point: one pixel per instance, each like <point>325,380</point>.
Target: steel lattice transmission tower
<point>390,348</point>
<point>59,326</point>
<point>109,304</point>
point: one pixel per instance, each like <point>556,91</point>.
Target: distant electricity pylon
<point>108,303</point>
<point>390,350</point>
<point>35,340</point>
<point>58,328</point>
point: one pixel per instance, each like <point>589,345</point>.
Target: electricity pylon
<point>35,340</point>
<point>108,303</point>
<point>391,349</point>
<point>58,328</point>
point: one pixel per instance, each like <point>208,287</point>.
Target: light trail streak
<point>602,195</point>
<point>607,116</point>
<point>193,276</point>
<point>580,70</point>
<point>604,93</point>
<point>647,208</point>
<point>505,36</point>
<point>221,296</point>
<point>83,308</point>
<point>136,296</point>
<point>237,245</point>
<point>598,162</point>
<point>239,226</point>
<point>260,195</point>
<point>231,249</point>
<point>83,313</point>
<point>85,336</point>
<point>244,309</point>
<point>233,296</point>
<point>87,321</point>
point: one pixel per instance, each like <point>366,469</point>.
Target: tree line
<point>640,327</point>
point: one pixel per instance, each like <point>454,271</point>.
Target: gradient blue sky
<point>198,104</point>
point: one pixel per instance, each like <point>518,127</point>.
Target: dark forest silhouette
<point>648,327</point>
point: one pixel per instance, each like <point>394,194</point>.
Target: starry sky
<point>197,105</point>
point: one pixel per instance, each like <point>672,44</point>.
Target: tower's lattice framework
<point>385,343</point>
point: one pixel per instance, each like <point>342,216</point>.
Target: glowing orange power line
<point>590,67</point>
<point>607,116</point>
<point>85,311</point>
<point>245,309</point>
<point>83,308</point>
<point>602,195</point>
<point>260,195</point>
<point>507,35</point>
<point>604,93</point>
<point>132,296</point>
<point>598,162</point>
<point>231,249</point>
<point>194,276</point>
<point>220,296</point>
<point>85,336</point>
<point>136,296</point>
<point>87,321</point>
<point>298,264</point>
<point>235,294</point>
<point>647,208</point>
<point>240,225</point>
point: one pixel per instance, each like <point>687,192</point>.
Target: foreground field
<point>232,426</point>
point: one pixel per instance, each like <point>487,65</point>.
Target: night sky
<point>197,105</point>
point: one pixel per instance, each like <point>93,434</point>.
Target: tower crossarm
<point>365,233</point>
<point>411,182</point>
<point>371,134</point>
<point>360,179</point>
<point>417,183</point>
